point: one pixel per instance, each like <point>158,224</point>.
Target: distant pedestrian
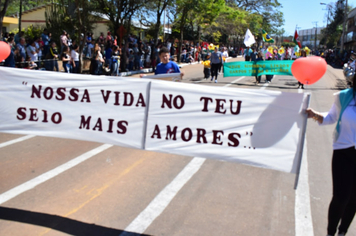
<point>215,62</point>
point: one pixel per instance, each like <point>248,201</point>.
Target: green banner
<point>257,68</point>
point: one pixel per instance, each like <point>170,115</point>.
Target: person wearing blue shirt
<point>10,60</point>
<point>166,66</point>
<point>215,61</point>
<point>248,53</point>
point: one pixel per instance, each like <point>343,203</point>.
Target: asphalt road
<point>51,186</point>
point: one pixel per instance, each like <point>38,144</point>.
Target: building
<point>350,34</point>
<point>36,17</point>
<point>9,24</point>
<point>310,37</point>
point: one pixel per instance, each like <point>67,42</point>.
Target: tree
<point>268,9</point>
<point>3,8</point>
<point>75,16</point>
<point>14,6</point>
<point>155,8</point>
<point>120,13</point>
<point>205,13</point>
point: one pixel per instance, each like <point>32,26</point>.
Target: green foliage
<point>288,44</point>
<point>14,6</point>
<point>30,32</point>
<point>57,20</point>
<point>33,31</point>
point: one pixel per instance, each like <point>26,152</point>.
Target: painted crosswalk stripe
<point>4,197</point>
<point>162,200</point>
<point>16,140</point>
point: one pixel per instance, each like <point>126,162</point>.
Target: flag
<point>249,38</point>
<point>266,37</point>
<point>296,39</point>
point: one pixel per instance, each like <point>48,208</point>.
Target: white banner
<point>260,128</point>
<point>74,106</point>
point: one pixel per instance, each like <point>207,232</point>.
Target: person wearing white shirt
<point>342,207</point>
<point>75,58</point>
<point>32,51</point>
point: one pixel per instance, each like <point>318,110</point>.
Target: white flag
<point>249,38</point>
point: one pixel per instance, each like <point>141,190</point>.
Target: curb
<point>149,70</point>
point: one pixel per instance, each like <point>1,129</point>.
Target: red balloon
<point>4,50</point>
<point>309,70</point>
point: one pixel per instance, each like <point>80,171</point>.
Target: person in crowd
<point>10,60</point>
<point>342,207</point>
<point>66,59</point>
<point>269,77</point>
<point>154,56</point>
<point>215,61</point>
<point>52,57</point>
<point>224,55</point>
<point>22,51</point>
<point>5,37</point>
<point>253,55</point>
<point>115,60</point>
<point>89,45</point>
<point>259,57</point>
<point>137,57</point>
<point>247,54</point>
<point>18,37</point>
<point>108,54</point>
<point>166,66</point>
<point>63,39</point>
<point>30,65</point>
<point>69,41</point>
<point>184,54</point>
<point>75,58</point>
<point>352,61</point>
<point>39,46</point>
<point>115,41</point>
<point>109,37</point>
<point>142,53</point>
<point>207,67</point>
<point>131,58</point>
<point>99,60</point>
<point>32,51</point>
<point>46,41</point>
<point>101,41</point>
<point>303,54</point>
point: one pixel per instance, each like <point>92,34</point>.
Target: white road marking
<point>161,201</point>
<point>302,208</point>
<point>16,140</point>
<point>236,80</point>
<point>50,174</point>
<point>302,211</point>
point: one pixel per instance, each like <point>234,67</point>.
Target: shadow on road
<point>62,224</point>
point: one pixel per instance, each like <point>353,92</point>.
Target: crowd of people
<point>104,52</point>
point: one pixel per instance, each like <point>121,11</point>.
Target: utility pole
<point>343,28</point>
<point>20,16</point>
<point>316,29</point>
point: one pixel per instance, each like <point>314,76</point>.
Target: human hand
<point>311,113</point>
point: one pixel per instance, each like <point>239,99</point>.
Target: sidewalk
<point>149,70</point>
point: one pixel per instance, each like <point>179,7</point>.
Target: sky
<point>305,14</point>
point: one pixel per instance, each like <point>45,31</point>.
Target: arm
<point>330,118</point>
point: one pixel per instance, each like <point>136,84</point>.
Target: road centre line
<point>16,140</point>
<point>4,197</point>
